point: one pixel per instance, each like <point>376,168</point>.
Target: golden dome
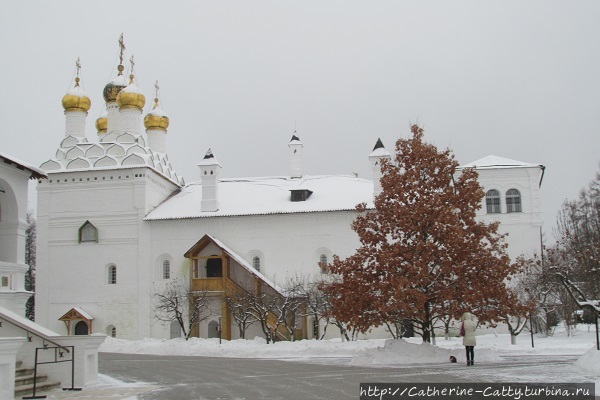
<point>102,123</point>
<point>156,119</point>
<point>112,88</point>
<point>76,99</point>
<point>131,96</point>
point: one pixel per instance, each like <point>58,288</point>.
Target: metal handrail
<point>30,331</point>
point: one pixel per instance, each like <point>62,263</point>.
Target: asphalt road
<point>206,378</point>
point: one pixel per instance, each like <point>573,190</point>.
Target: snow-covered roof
<point>77,91</point>
<point>35,171</point>
<point>269,195</point>
<point>25,323</point>
<point>498,162</point>
<point>116,150</point>
<point>240,260</point>
<point>83,313</point>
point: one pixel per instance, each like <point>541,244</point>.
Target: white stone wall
<point>73,274</point>
<point>523,228</point>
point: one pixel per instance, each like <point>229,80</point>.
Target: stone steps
<point>24,378</point>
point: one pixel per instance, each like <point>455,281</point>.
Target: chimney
<point>296,149</point>
<point>379,153</point>
<point>209,170</point>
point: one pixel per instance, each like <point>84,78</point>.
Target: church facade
<point>116,223</point>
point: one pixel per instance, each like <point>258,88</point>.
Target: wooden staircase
<point>24,382</point>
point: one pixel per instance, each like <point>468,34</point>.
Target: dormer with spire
<point>377,155</point>
<point>156,123</point>
<point>131,101</point>
<point>209,170</point>
<point>111,91</point>
<point>76,104</point>
<point>296,158</point>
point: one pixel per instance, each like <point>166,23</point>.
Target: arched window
<point>323,262</point>
<point>513,201</point>
<point>111,331</point>
<point>112,274</point>
<point>81,328</point>
<point>492,201</point>
<point>256,263</point>
<point>166,270</point>
<point>323,259</point>
<point>88,233</point>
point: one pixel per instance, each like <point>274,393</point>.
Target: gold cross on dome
<point>122,47</point>
<point>78,68</point>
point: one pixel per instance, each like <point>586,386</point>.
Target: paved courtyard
<point>152,377</point>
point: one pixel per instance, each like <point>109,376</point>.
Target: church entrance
<point>214,268</point>
<point>81,328</point>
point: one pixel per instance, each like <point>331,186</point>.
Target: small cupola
<point>377,155</point>
<point>209,171</point>
<point>296,161</point>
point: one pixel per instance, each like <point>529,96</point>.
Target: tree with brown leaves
<point>423,255</point>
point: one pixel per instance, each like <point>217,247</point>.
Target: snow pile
<point>590,361</point>
<point>401,352</point>
<point>257,348</point>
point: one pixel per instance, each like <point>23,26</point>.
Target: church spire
<point>112,90</point>
<point>131,101</point>
<point>377,155</point>
<point>76,104</point>
<point>156,123</point>
<point>296,159</point>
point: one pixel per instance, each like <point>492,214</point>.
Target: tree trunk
<point>513,339</point>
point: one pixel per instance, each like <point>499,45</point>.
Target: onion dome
<point>76,99</point>
<point>156,119</point>
<point>112,88</point>
<point>131,96</point>
<point>102,123</point>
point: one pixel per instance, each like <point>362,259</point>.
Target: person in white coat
<point>467,331</point>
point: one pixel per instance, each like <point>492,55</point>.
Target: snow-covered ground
<point>378,352</point>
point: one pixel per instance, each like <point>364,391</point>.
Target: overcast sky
<point>516,79</point>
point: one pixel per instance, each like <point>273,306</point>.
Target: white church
<point>116,222</point>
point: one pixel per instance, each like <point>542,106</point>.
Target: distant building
<point>116,222</point>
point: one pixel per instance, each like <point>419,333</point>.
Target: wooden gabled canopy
<point>77,314</point>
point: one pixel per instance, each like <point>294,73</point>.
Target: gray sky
<point>516,79</point>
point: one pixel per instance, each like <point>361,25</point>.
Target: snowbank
<point>590,361</point>
<point>256,348</point>
<point>401,352</point>
<point>489,348</point>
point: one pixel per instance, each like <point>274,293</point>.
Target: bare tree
<point>240,307</point>
<point>316,304</point>
<point>176,302</point>
<point>575,259</point>
<point>261,307</point>
<point>30,259</point>
<point>291,307</point>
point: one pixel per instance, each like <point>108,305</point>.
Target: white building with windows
<point>116,222</point>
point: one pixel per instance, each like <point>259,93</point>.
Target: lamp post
<point>220,330</point>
